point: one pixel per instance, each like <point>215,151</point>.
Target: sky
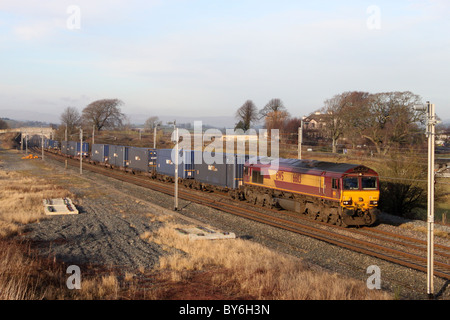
<point>206,58</point>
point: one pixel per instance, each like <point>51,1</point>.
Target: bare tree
<point>70,119</point>
<point>274,105</point>
<point>246,114</point>
<point>275,115</point>
<point>104,113</point>
<point>388,119</point>
<point>340,114</point>
<point>151,123</point>
<point>276,120</point>
<point>291,129</point>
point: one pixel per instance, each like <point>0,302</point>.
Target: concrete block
<point>60,206</point>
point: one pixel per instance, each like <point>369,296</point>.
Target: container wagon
<point>227,171</point>
<point>65,147</point>
<point>166,167</point>
<point>118,156</point>
<point>100,153</point>
<point>142,159</point>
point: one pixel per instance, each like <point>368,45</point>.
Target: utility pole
<point>154,135</point>
<point>176,163</point>
<point>431,131</point>
<point>42,144</point>
<point>93,133</point>
<point>65,146</point>
<point>431,134</point>
<point>81,151</point>
<point>176,170</point>
<point>300,140</point>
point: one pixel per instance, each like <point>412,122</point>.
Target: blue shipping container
<point>165,163</point>
<point>224,170</point>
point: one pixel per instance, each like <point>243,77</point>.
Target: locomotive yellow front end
<point>360,196</point>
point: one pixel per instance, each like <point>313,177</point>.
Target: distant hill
<point>207,121</point>
<point>37,119</point>
<point>17,124</point>
<point>30,115</point>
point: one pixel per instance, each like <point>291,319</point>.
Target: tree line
<point>100,115</point>
<point>382,120</point>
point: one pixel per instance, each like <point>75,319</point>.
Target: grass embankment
<point>250,270</point>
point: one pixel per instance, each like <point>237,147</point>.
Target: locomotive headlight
<point>361,199</point>
<point>374,202</point>
<point>347,202</point>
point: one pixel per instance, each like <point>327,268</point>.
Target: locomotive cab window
<point>351,183</point>
<point>369,183</point>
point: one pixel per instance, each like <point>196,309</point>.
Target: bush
<point>403,185</point>
<point>401,198</point>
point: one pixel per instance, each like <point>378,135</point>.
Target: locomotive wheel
<point>369,218</point>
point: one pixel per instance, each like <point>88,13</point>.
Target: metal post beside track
<point>431,134</point>
<point>42,144</point>
<point>430,210</point>
<point>81,151</point>
<point>176,169</point>
<point>300,140</point>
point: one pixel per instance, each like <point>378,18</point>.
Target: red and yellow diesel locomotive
<point>337,193</point>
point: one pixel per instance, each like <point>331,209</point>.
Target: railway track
<point>395,248</point>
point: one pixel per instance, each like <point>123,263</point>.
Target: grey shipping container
<point>74,148</point>
<point>65,147</point>
<point>118,155</point>
<point>227,170</point>
<point>142,159</point>
<point>166,166</point>
<point>100,152</point>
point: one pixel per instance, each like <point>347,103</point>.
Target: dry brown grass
<point>257,271</point>
<point>23,274</point>
<point>21,200</point>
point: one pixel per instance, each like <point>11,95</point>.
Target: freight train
<point>336,193</point>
